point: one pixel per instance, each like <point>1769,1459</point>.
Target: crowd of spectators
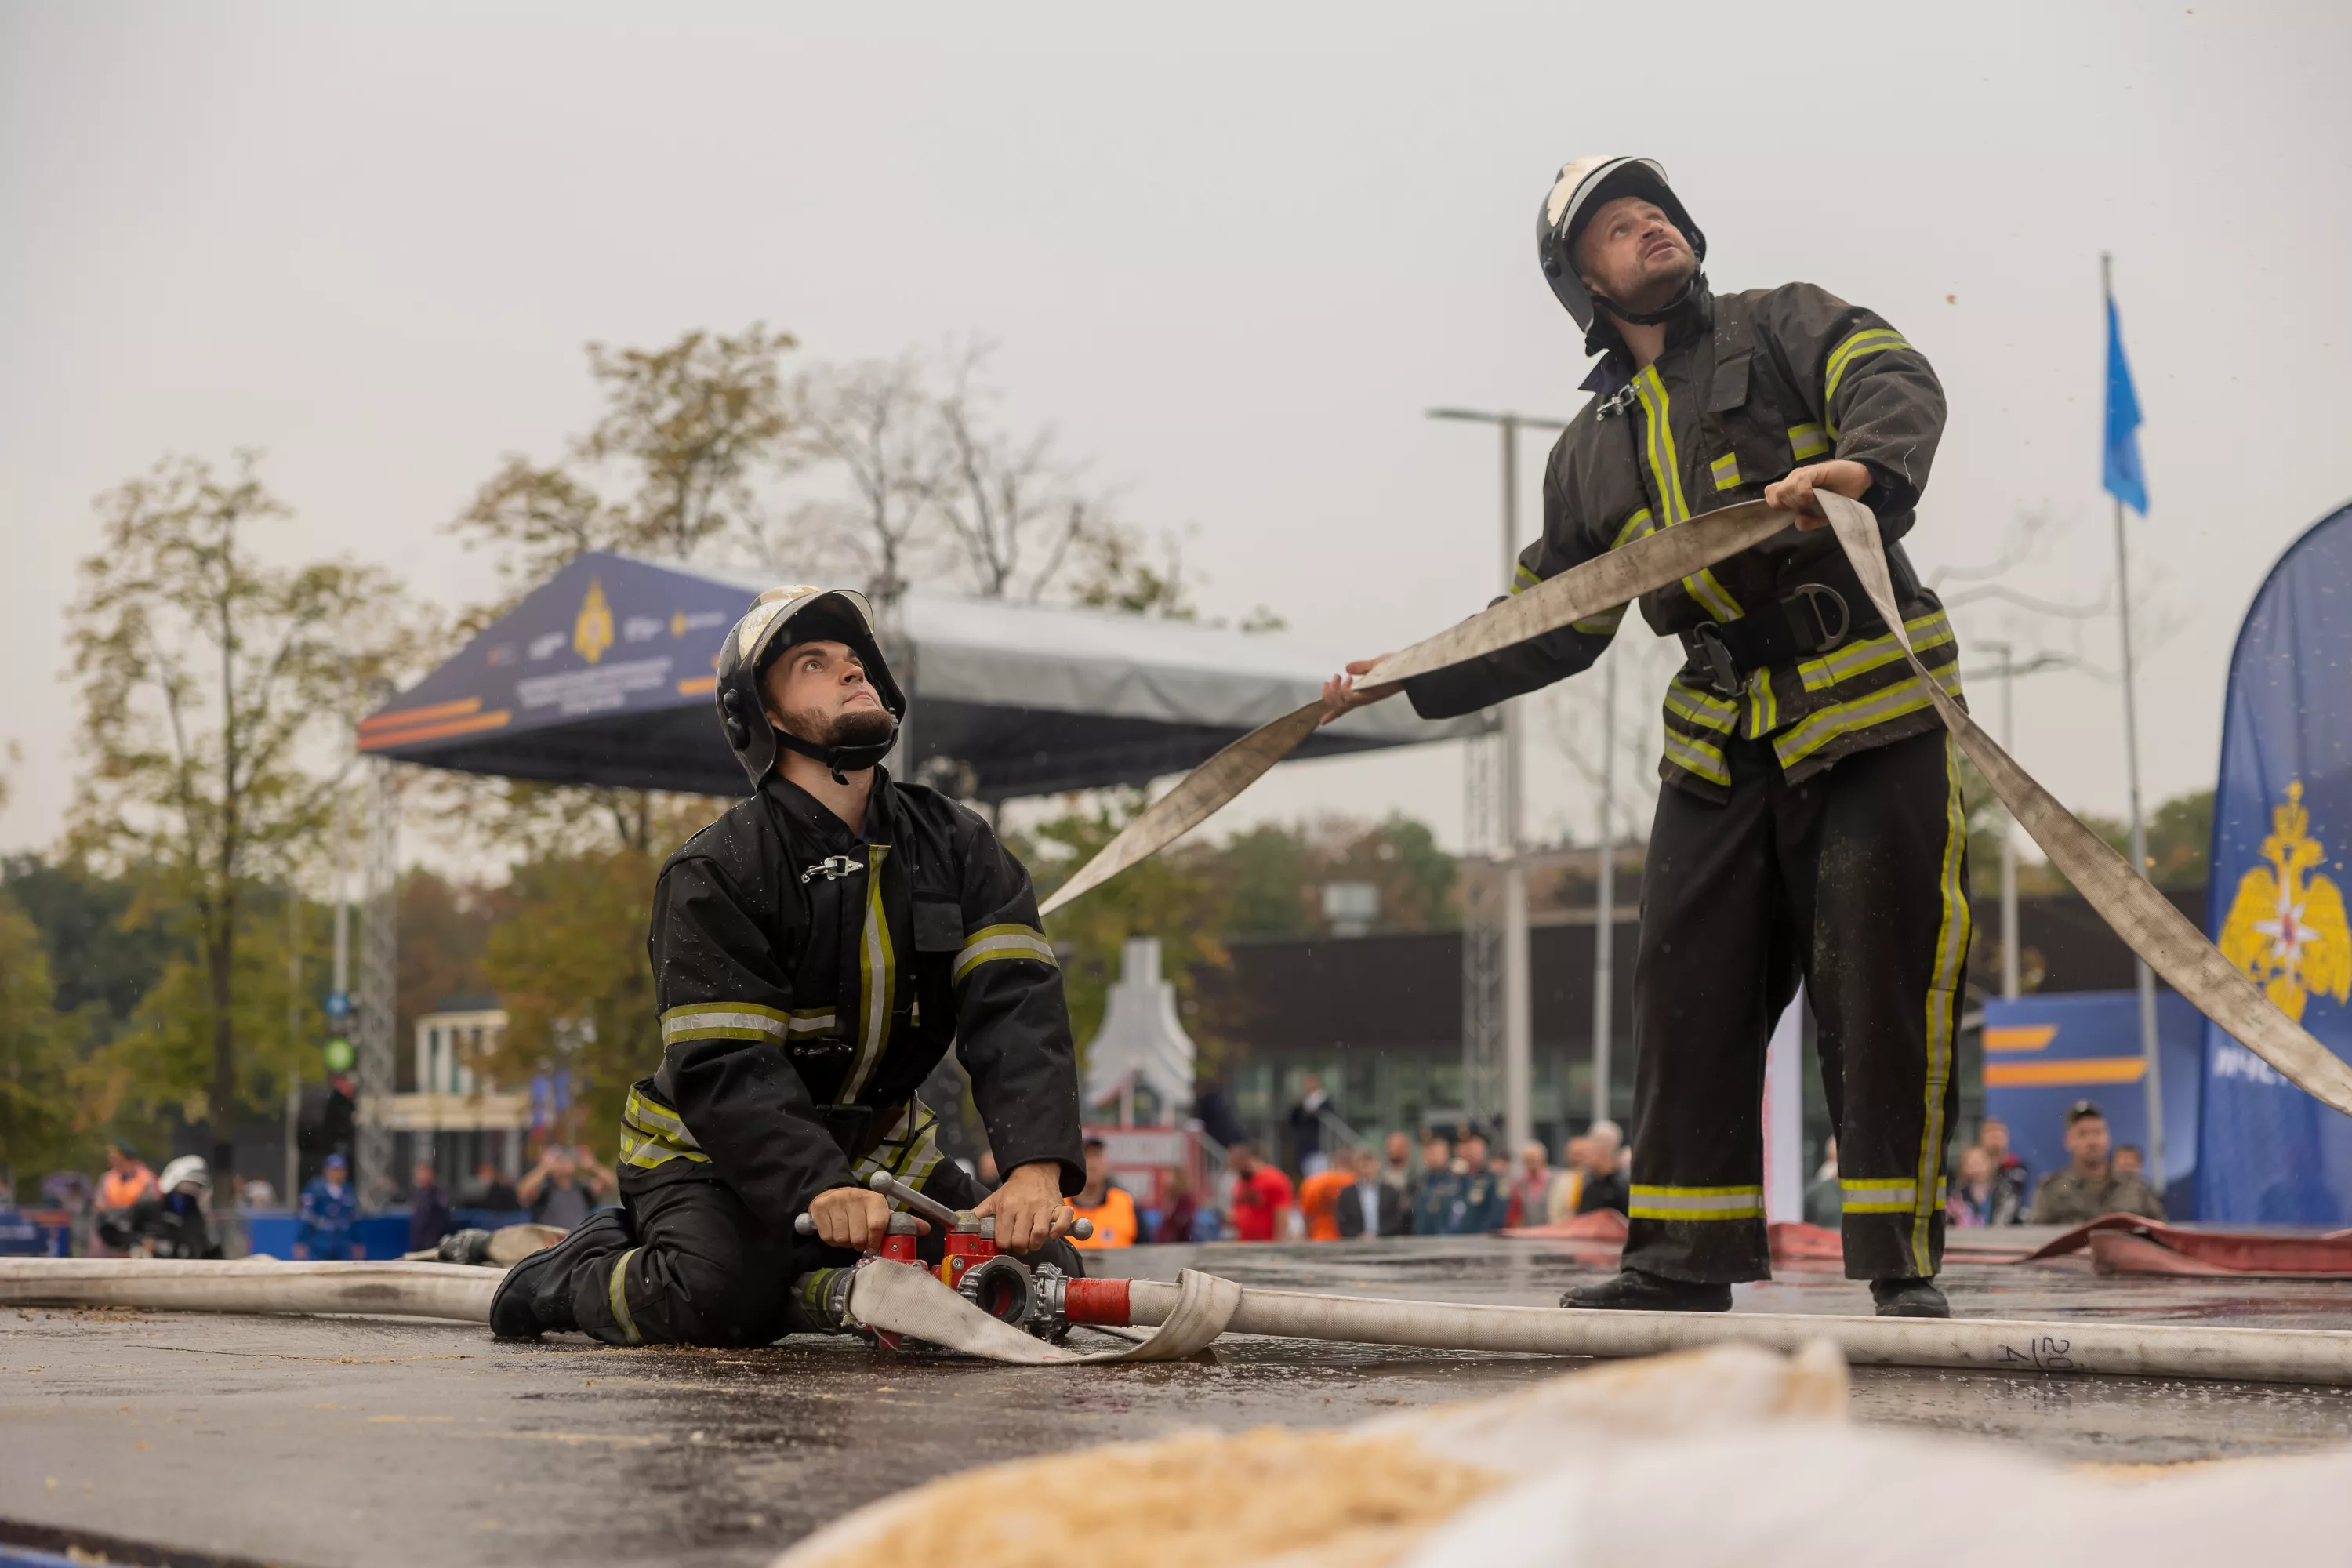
<point>1990,1183</point>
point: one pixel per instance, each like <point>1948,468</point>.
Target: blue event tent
<point>602,675</point>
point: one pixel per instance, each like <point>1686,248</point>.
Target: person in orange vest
<point>1112,1211</point>
<point>127,1179</point>
<point>1319,1196</point>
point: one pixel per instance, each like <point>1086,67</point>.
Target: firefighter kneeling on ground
<point>815,953</point>
<point>1811,827</point>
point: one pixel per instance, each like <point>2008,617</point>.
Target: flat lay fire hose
<point>899,1303</point>
<point>2141,916</point>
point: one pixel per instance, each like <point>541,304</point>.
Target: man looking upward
<point>815,951</point>
<point>1812,826</point>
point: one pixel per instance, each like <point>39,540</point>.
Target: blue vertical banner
<point>2282,836</point>
<point>2121,475</point>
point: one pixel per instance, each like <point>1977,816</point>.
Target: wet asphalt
<point>373,1441</point>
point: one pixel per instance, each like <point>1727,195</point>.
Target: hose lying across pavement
<point>1191,1314</point>
<point>2144,918</point>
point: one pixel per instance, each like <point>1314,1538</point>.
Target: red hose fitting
<point>1096,1301</point>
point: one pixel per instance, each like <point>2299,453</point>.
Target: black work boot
<point>535,1296</point>
<point>1909,1299</point>
<point>1631,1291</point>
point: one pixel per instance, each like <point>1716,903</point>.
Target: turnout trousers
<point>698,1267</point>
<point>1854,881</point>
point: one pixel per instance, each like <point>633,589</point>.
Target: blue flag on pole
<point>2123,478</point>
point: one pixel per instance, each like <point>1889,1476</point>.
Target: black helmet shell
<point>1582,187</point>
<point>777,620</point>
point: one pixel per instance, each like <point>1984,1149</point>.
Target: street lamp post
<point>1518,1052</point>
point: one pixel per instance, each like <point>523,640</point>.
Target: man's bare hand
<point>1839,476</point>
<point>1341,695</point>
<point>855,1217</point>
<point>1028,1208</point>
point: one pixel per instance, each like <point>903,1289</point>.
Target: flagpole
<point>2153,1080</point>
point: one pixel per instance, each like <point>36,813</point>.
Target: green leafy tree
<point>1272,875</point>
<point>567,959</point>
<point>669,468</point>
<point>38,1127</point>
<point>211,681</point>
<point>1169,897</point>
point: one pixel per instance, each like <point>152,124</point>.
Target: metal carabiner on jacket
<point>833,867</point>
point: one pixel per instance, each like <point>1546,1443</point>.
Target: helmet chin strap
<point>1649,318</point>
<point>841,761</point>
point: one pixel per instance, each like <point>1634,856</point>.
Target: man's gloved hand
<point>855,1217</point>
<point>1028,1208</point>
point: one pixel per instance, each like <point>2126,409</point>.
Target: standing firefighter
<point>1812,827</point>
<point>815,953</point>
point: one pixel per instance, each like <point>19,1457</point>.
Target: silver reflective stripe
<point>721,1020</point>
<point>1700,1202</point>
<point>877,980</point>
<point>1008,940</point>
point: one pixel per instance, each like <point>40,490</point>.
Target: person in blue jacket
<point>329,1210</point>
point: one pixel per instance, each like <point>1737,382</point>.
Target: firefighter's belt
<point>2144,918</point>
<point>1814,619</point>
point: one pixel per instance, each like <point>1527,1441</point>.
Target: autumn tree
<point>671,468</point>
<point>213,685</point>
<point>1166,897</point>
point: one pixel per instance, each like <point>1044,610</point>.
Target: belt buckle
<point>1722,674</point>
<point>1813,593</point>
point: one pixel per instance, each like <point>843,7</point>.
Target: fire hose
<point>912,1306</point>
<point>2142,917</point>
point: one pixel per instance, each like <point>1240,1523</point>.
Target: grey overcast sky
<point>1233,251</point>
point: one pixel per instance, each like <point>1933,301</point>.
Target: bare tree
<point>1007,499</point>
<point>875,421</point>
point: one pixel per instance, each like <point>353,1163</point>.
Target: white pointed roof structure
<point>1141,1047</point>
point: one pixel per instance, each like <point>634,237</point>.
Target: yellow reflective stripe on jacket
<point>1818,729</point>
<point>1807,441</point>
<point>1522,579</point>
<point>1697,1202</point>
<point>1696,756</point>
<point>1637,527</point>
<point>909,1151</point>
<point>999,942</point>
<point>652,1134</point>
<point>1819,674</point>
<point>1857,346</point>
<point>1703,708</point>
<point>1944,982</point>
<point>1658,445</point>
<point>878,978</point>
<point>1895,1194</point>
<point>1603,624</point>
<point>803,1021</point>
<point>1763,706</point>
<point>723,1021</point>
<point>1725,471</point>
<point>1665,472</point>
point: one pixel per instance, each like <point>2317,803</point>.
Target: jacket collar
<point>1614,370</point>
<point>811,815</point>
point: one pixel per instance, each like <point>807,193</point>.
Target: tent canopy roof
<point>602,675</point>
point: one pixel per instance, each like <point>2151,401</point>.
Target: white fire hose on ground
<point>1191,1315</point>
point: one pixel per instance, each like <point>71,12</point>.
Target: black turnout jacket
<point>1750,387</point>
<point>809,978</point>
